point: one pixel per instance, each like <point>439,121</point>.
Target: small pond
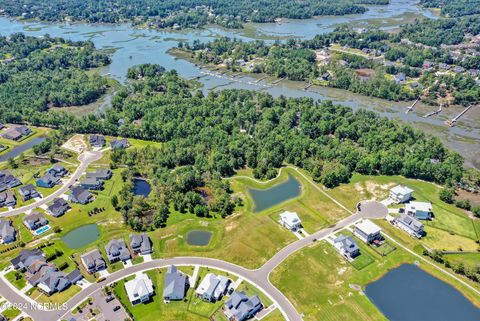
<point>266,198</point>
<point>409,293</point>
<point>16,151</point>
<point>199,238</point>
<point>141,187</point>
<point>81,236</point>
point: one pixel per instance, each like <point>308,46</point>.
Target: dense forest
<point>38,73</point>
<point>453,8</point>
<point>181,13</point>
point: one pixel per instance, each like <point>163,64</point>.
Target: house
<point>240,307</point>
<point>80,195</point>
<point>93,261</point>
<point>443,66</point>
<point>48,181</point>
<point>8,199</point>
<point>53,282</point>
<point>459,69</point>
<point>117,251</point>
<point>91,183</point>
<point>58,207</point>
<point>74,276</point>
<point>140,243</point>
<point>120,143</point>
<point>28,192</point>
<point>410,225</point>
<point>57,170</point>
<point>347,246</point>
<point>16,132</point>
<point>26,258</point>
<point>34,221</point>
<point>399,78</point>
<point>100,174</point>
<point>176,284</point>
<point>37,270</point>
<point>213,288</point>
<point>140,289</point>
<point>97,140</point>
<point>419,210</point>
<point>7,180</point>
<point>7,232</point>
<point>367,231</point>
<point>400,194</point>
<point>291,221</point>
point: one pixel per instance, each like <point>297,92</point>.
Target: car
<point>109,298</point>
<point>116,308</point>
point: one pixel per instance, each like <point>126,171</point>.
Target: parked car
<point>109,298</point>
<point>116,308</point>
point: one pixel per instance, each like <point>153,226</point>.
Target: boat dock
<point>308,86</point>
<point>409,109</point>
<point>452,122</point>
<point>278,80</point>
<point>435,112</point>
<point>259,80</point>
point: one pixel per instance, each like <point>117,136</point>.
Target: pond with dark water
<point>269,197</point>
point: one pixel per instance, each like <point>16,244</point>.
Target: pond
<point>141,187</point>
<point>81,236</point>
<point>16,151</point>
<point>199,238</point>
<point>266,198</point>
<point>409,293</point>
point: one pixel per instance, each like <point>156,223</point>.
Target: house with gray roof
<point>8,198</point>
<point>7,181</point>
<point>410,225</point>
<point>176,284</point>
<point>140,244</point>
<point>101,174</point>
<point>57,170</point>
<point>347,246</point>
<point>48,181</point>
<point>54,281</point>
<point>213,287</point>
<point>7,232</point>
<point>93,261</point>
<point>34,221</point>
<point>28,192</point>
<point>58,207</point>
<point>25,258</point>
<point>97,140</point>
<point>117,251</point>
<point>240,307</point>
<point>92,183</point>
<point>119,143</point>
<point>80,195</point>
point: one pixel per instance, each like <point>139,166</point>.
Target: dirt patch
<point>231,226</point>
<point>76,144</point>
<point>474,198</point>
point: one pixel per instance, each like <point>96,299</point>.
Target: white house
<point>419,210</point>
<point>139,289</point>
<point>291,221</point>
<point>367,231</point>
<point>213,288</point>
<point>401,194</point>
<point>410,225</point>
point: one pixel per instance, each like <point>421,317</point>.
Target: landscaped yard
<point>19,283</point>
<point>57,298</point>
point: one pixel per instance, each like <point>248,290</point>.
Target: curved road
<point>85,159</point>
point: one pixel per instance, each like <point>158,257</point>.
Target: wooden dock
<point>435,112</point>
<point>308,86</point>
<point>452,122</point>
<point>259,80</point>
<point>409,109</point>
<point>278,80</point>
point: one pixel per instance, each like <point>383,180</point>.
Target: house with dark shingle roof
<point>57,170</point>
<point>8,198</point>
<point>117,251</point>
<point>26,258</point>
<point>48,181</point>
<point>92,183</point>
<point>58,207</point>
<point>93,261</point>
<point>7,180</point>
<point>34,221</point>
<point>80,195</point>
<point>97,140</point>
<point>119,143</point>
<point>101,174</point>
<point>28,192</point>
<point>16,132</point>
<point>140,244</point>
<point>7,232</point>
<point>176,284</point>
<point>240,307</point>
<point>410,225</point>
<point>53,282</point>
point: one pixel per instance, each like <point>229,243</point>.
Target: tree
<point>447,195</point>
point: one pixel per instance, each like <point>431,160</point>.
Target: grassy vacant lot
<point>11,277</point>
<point>59,297</point>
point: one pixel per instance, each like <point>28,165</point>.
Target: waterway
<point>408,293</point>
<point>267,198</point>
<point>81,236</point>
<point>16,151</point>
<point>135,46</point>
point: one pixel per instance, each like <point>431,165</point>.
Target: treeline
<point>181,13</point>
<point>38,73</point>
<point>454,8</point>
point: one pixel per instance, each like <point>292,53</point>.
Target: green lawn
<point>250,290</point>
<point>11,313</point>
<point>20,283</point>
<point>56,298</point>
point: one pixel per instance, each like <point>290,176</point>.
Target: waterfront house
<point>100,174</point>
<point>291,221</point>
<point>25,258</point>
<point>140,244</point>
<point>7,232</point>
<point>176,284</point>
<point>57,170</point>
<point>117,251</point>
<point>410,225</point>
<point>140,289</point>
<point>419,210</point>
<point>367,231</point>
<point>8,198</point>
<point>34,221</point>
<point>240,307</point>
<point>80,195</point>
<point>213,288</point>
<point>347,246</point>
<point>401,194</point>
<point>119,143</point>
<point>58,207</point>
<point>48,181</point>
<point>28,192</point>
<point>93,261</point>
<point>97,140</point>
<point>92,183</point>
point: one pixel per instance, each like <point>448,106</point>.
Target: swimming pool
<point>41,230</point>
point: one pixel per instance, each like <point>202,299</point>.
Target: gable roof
<point>174,283</point>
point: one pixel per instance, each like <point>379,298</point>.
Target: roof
<point>59,206</point>
<point>91,181</point>
<point>80,194</point>
<point>419,206</point>
<point>208,285</point>
<point>400,189</point>
<point>368,227</point>
<point>411,222</point>
<point>34,218</point>
<point>27,189</point>
<point>27,257</point>
<point>117,248</point>
<point>139,287</point>
<point>141,242</point>
<point>290,218</point>
<point>240,306</point>
<point>174,283</point>
<point>7,232</point>
<point>92,259</point>
<point>348,244</point>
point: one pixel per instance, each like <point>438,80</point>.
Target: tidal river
<point>135,46</point>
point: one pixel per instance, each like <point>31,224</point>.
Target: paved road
<point>85,159</point>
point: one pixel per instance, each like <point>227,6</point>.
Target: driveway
<point>372,209</point>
